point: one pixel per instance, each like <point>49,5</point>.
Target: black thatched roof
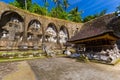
<point>98,26</point>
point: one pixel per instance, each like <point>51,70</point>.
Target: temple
<point>98,38</point>
<point>20,29</point>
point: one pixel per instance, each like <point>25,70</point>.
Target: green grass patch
<point>13,52</point>
<point>107,63</point>
<point>82,58</point>
<point>60,55</point>
<point>115,62</point>
<point>101,62</point>
<point>20,59</point>
<point>25,55</point>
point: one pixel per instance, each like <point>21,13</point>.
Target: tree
<point>46,4</point>
<point>55,12</point>
<point>64,15</point>
<point>57,2</point>
<point>58,11</point>
<point>74,15</point>
<point>118,8</point>
<point>15,3</point>
<point>103,12</point>
<point>57,8</point>
<point>35,8</point>
<point>21,3</point>
<point>90,17</point>
<point>117,12</point>
<point>65,4</point>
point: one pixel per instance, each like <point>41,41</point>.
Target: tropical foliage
<point>74,15</point>
<point>90,17</point>
<point>117,12</point>
<point>21,3</point>
<point>58,11</point>
<point>35,8</point>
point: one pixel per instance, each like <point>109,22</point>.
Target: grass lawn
<point>20,59</point>
<point>30,52</point>
<point>19,52</point>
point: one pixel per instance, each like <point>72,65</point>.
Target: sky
<point>88,7</point>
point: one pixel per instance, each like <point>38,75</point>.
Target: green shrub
<point>83,58</point>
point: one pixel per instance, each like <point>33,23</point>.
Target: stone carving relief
<point>12,30</point>
<point>33,33</point>
<point>51,34</point>
<point>63,36</point>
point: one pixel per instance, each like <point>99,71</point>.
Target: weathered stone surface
<point>23,72</point>
<point>7,68</point>
<point>70,69</point>
<point>7,12</point>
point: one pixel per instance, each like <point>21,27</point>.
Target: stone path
<point>7,68</point>
<point>69,69</point>
<point>58,69</point>
<point>22,71</point>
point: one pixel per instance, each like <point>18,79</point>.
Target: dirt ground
<point>58,69</point>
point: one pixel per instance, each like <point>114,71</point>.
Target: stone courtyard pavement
<point>58,69</point>
<point>70,69</point>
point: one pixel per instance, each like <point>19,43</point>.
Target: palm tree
<point>117,12</point>
<point>57,2</point>
<point>90,17</point>
<point>74,15</point>
<point>118,8</point>
<point>46,4</point>
<point>55,11</point>
<point>65,4</point>
<point>35,8</point>
<point>21,3</point>
<point>103,12</point>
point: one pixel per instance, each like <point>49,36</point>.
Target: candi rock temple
<point>20,29</point>
<point>97,39</point>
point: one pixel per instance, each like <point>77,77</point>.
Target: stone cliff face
<point>17,26</point>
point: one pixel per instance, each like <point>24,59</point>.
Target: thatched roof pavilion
<point>97,38</point>
<point>100,33</point>
<point>103,27</point>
